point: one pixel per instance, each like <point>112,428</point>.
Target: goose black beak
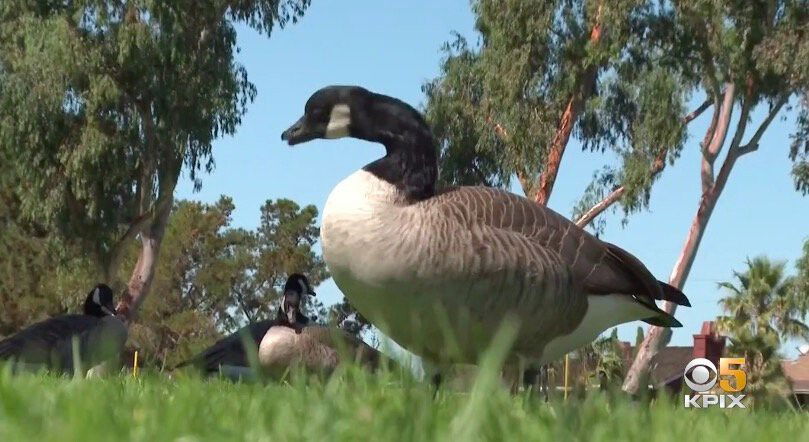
<point>298,133</point>
<point>109,309</point>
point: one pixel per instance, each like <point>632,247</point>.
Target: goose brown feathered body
<point>469,257</point>
<point>439,270</point>
<point>314,348</point>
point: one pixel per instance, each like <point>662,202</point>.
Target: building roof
<point>797,372</point>
<point>669,364</point>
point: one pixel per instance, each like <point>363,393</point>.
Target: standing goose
<point>49,344</point>
<point>228,356</point>
<point>427,265</point>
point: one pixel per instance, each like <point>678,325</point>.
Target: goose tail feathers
<point>673,294</point>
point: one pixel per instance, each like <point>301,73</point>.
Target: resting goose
<point>49,344</point>
<point>227,356</point>
<point>314,348</point>
<point>422,263</point>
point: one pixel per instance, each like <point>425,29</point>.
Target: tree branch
<point>733,151</point>
<point>657,166</point>
<point>724,121</point>
<point>752,144</point>
<point>600,207</point>
<point>717,135</point>
<point>698,111</point>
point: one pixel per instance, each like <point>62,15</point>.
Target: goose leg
<point>513,375</point>
<point>531,379</point>
<point>436,374</point>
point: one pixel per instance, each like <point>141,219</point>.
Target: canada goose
<point>315,348</point>
<point>423,263</point>
<point>228,357</point>
<point>49,344</point>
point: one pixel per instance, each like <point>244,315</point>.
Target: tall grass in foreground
<point>350,406</point>
<point>353,405</point>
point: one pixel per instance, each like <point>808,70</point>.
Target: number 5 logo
<point>738,374</point>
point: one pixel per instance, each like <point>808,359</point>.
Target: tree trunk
<point>140,282</point>
<point>712,143</point>
<point>712,190</point>
<point>558,145</point>
<point>656,336</point>
<point>571,113</point>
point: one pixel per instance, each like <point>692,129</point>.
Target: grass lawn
<point>351,406</point>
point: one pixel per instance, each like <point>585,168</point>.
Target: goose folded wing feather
<point>600,267</point>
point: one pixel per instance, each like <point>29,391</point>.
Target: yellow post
<point>567,365</point>
<point>135,365</point>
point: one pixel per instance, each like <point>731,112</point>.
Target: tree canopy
<point>546,71</point>
<point>103,103</point>
<point>742,56</point>
<point>212,278</point>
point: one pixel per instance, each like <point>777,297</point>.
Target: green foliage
<point>763,310</point>
<point>39,275</point>
<point>760,46</point>
<point>802,265</point>
<point>103,102</point>
<point>606,360</point>
<point>799,150</point>
<point>763,302</point>
<point>345,316</point>
<point>213,278</point>
<point>497,108</point>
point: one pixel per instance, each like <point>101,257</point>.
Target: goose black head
<point>295,288</point>
<point>99,302</point>
<point>411,162</point>
<point>331,112</point>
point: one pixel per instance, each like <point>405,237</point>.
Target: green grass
<point>350,406</point>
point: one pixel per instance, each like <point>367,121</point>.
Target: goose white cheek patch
<point>339,120</point>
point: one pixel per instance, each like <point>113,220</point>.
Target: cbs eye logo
<point>701,375</point>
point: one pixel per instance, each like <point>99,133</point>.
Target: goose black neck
<point>411,159</point>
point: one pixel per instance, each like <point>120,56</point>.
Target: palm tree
<point>764,301</point>
<point>763,308</point>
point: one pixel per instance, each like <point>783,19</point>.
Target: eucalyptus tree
<point>546,71</point>
<point>213,278</point>
<point>618,75</point>
<point>744,56</point>
<point>104,103</point>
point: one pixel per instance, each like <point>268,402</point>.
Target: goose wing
<point>599,267</point>
<point>229,350</point>
<point>35,343</point>
<point>101,342</point>
<point>340,341</point>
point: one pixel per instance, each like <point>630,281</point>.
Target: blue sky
<point>392,48</point>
